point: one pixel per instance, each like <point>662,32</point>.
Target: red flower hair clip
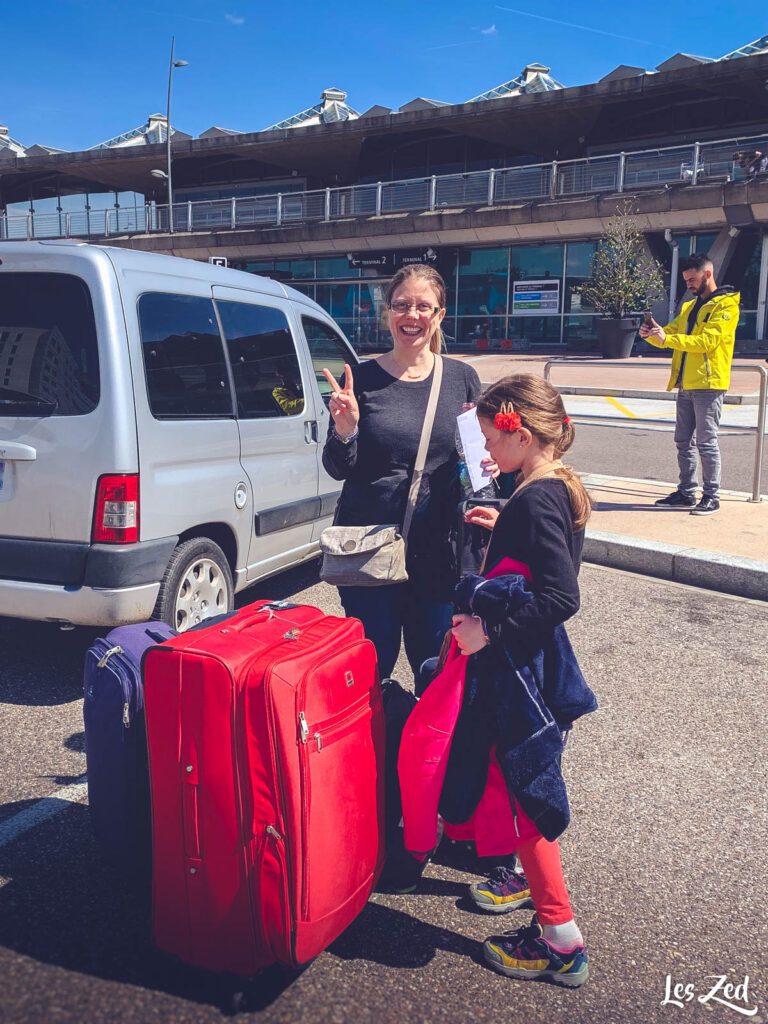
<point>507,419</point>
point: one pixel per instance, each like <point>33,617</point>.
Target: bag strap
<point>421,455</point>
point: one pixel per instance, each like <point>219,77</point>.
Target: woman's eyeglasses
<point>422,308</point>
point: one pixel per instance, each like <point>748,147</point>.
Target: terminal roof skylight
<point>154,132</point>
<point>758,46</point>
<point>332,108</point>
<point>533,78</point>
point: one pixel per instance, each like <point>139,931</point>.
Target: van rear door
<point>66,414</point>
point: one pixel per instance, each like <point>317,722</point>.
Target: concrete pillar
<point>722,250</point>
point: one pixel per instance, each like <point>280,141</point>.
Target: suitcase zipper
<point>307,637</point>
<point>332,727</point>
<point>277,648</point>
<point>304,768</point>
<point>107,655</point>
<point>127,662</point>
<point>303,728</point>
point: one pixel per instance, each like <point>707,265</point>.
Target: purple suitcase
<point>116,745</point>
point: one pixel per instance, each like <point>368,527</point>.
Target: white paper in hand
<point>473,442</point>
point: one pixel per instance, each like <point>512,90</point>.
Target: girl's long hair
<point>423,272</point>
<point>542,411</point>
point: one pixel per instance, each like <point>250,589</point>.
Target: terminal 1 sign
<point>535,298</point>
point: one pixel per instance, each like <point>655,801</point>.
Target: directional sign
<point>535,298</point>
<point>387,262</point>
<point>380,260</point>
<point>429,256</point>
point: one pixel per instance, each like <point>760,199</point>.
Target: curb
<point>729,574</point>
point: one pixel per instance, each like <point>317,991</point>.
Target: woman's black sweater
<point>377,467</point>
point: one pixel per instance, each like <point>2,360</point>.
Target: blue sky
<point>76,72</point>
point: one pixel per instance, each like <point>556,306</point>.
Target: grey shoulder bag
<point>373,556</point>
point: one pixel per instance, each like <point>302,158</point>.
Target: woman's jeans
<point>400,608</point>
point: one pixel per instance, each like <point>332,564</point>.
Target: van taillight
<point>116,519</point>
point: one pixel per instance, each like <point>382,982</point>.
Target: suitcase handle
<point>269,607</point>
<point>157,636</point>
<point>191,824</point>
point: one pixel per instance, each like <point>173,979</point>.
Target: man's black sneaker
<point>706,506</point>
<point>677,500</point>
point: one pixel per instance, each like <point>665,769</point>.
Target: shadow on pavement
<point>394,938</point>
<point>283,586</point>
<point>62,905</point>
<point>42,664</point>
<point>35,651</point>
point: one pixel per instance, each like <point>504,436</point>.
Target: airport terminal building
<point>506,194</point>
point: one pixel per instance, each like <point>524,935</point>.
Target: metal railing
<point>628,392</point>
<point>694,164</point>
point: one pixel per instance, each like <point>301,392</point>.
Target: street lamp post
<point>171,65</point>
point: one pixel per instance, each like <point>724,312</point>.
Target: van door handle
<point>310,432</point>
<point>19,452</point>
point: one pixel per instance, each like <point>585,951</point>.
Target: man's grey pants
<point>698,412</point>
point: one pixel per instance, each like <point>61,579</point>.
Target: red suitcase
<point>266,752</point>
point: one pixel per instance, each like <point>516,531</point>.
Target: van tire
<point>196,585</point>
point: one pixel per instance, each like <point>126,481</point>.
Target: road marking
<point>623,409</point>
<point>43,809</point>
<point>628,412</point>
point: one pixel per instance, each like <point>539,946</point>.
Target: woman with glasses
<point>377,417</point>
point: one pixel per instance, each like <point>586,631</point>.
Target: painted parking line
<point>41,810</point>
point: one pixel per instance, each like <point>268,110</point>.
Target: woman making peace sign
<point>377,417</point>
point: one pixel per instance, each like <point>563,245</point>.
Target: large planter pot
<point>616,337</point>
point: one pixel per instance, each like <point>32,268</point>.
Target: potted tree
<point>623,280</point>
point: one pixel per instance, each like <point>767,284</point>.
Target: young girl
<point>483,744</point>
<point>539,533</point>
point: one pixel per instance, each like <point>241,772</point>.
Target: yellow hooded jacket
<point>708,349</point>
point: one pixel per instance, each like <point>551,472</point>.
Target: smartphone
<point>648,318</point>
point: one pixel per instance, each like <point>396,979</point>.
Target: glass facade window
<point>536,329</point>
<point>577,269</point>
<point>483,276</point>
<point>334,266</point>
<point>749,257</point>
<point>579,332</point>
<point>535,262</point>
<point>702,243</point>
<point>480,331</point>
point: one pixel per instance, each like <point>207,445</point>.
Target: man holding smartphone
<point>701,337</point>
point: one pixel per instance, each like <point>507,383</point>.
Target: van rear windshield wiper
<point>25,402</point>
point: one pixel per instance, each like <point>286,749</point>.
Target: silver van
<point>161,426</point>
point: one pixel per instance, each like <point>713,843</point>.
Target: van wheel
<point>196,585</point>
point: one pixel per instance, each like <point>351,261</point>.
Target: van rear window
<point>49,357</point>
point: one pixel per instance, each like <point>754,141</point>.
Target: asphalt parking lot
<point>665,855</point>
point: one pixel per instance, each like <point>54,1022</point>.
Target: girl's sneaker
<point>505,890</point>
<point>526,954</point>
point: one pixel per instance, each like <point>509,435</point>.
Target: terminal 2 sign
<point>388,262</point>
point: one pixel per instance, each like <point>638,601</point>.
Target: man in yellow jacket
<point>701,337</point>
